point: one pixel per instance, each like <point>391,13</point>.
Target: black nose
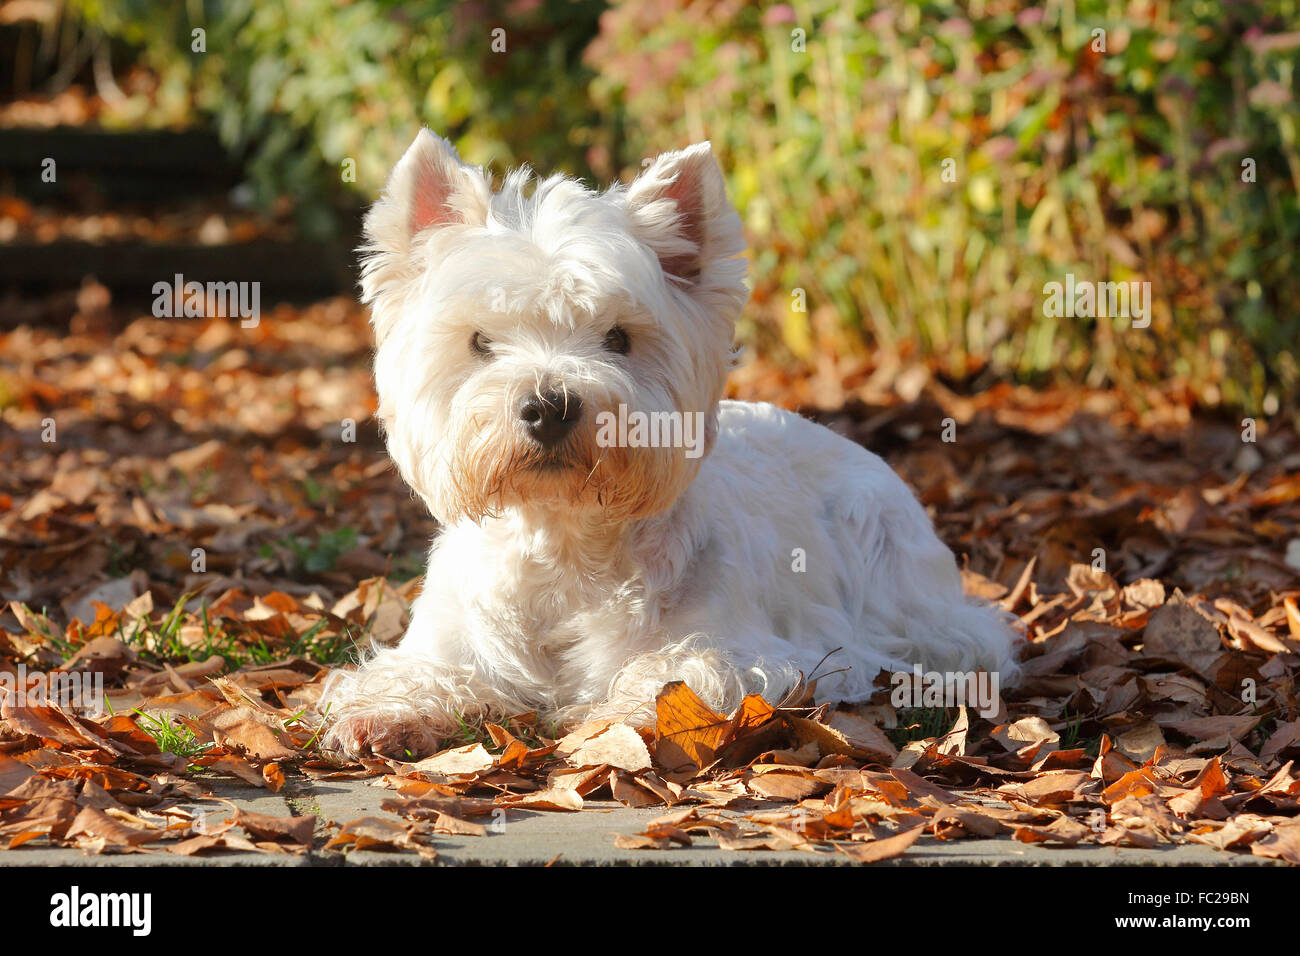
<point>549,417</point>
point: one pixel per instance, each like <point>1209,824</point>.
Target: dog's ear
<point>429,187</point>
<point>679,208</point>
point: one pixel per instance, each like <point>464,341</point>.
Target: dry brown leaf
<point>54,726</point>
<point>631,792</point>
<point>1284,739</point>
<point>1061,830</point>
<point>1242,830</point>
<point>581,780</point>
<point>235,766</point>
<point>687,733</point>
<point>784,785</point>
<point>1178,632</point>
<point>1292,617</point>
<point>553,799</point>
<point>970,819</point>
<point>1140,742</point>
<point>1054,787</point>
<point>1029,735</point>
<point>459,761</point>
<point>377,833</point>
<point>877,850</point>
<point>12,773</point>
<point>847,734</point>
<point>212,841</point>
<point>616,746</point>
<point>1282,844</point>
<point>260,826</point>
<point>1221,729</point>
<point>642,842</point>
<point>455,826</point>
<point>243,730</point>
<point>954,741</point>
<point>92,824</point>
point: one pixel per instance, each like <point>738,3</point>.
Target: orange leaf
<point>687,732</point>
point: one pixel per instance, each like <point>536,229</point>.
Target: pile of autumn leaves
<point>1120,734</point>
<point>105,786</point>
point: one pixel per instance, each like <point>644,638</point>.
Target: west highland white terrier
<point>550,365</point>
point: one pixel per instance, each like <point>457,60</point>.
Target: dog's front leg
<point>398,704</point>
<point>719,678</point>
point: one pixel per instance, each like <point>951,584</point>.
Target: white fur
<point>582,589</point>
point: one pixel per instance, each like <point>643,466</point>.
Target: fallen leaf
<point>376,833</point>
<point>553,799</point>
<point>616,746</point>
<point>1282,844</point>
<point>260,826</point>
<point>687,732</point>
<point>459,761</point>
<point>877,850</point>
<point>1178,632</point>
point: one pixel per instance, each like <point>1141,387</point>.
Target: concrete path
<point>583,838</point>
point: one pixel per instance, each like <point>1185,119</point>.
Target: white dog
<point>524,339</point>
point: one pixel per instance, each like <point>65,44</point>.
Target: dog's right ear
<point>429,188</point>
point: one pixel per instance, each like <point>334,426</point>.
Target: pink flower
<point>779,14</point>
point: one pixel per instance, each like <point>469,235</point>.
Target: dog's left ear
<point>679,208</point>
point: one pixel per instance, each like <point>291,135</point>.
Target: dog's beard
<point>492,467</point>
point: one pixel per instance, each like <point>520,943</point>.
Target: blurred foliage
<point>833,120</point>
<point>301,87</point>
<point>1115,165</point>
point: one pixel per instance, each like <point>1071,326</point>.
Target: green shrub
<point>300,87</point>
<point>1114,165</point>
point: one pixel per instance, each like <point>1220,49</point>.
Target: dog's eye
<point>481,344</point>
<point>616,340</point>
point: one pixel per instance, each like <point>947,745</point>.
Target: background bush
<point>300,86</point>
<point>1115,165</point>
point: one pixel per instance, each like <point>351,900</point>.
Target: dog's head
<point>538,345</point>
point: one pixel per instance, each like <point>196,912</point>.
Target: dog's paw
<point>358,735</point>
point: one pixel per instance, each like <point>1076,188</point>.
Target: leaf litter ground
<point>214,526</point>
